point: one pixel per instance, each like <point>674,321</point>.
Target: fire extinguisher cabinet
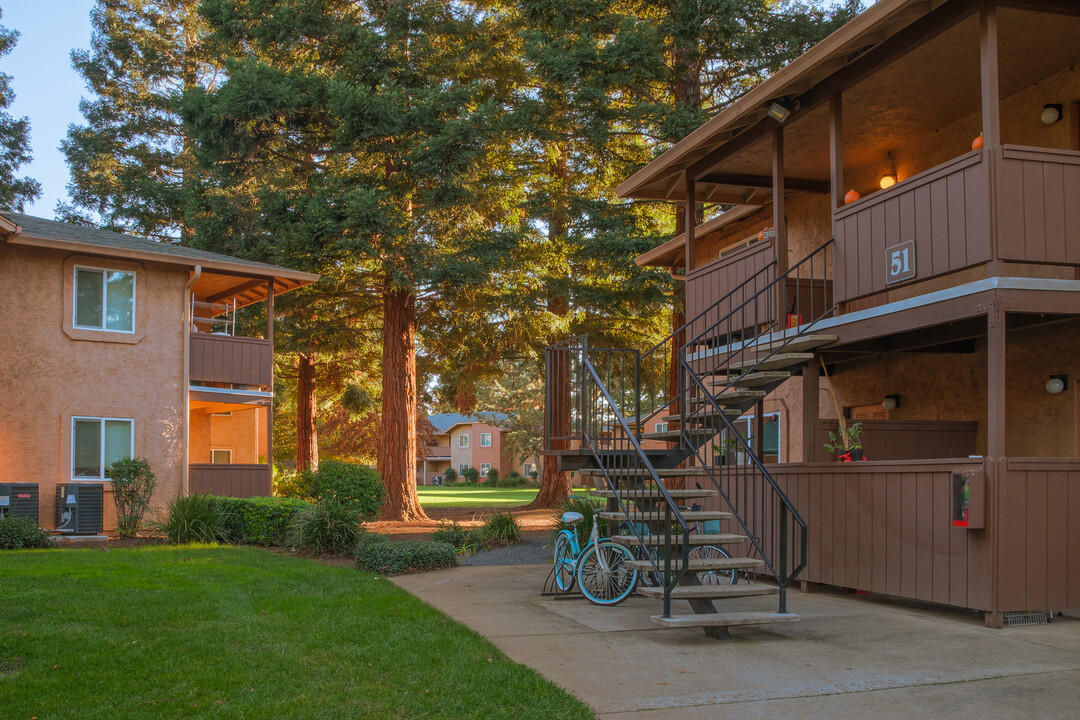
<point>968,499</point>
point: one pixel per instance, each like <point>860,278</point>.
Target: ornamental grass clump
<point>198,517</point>
<point>464,540</point>
<point>326,527</point>
<point>587,507</point>
<point>132,484</point>
<point>501,528</point>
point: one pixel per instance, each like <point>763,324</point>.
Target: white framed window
<point>104,300</point>
<point>746,426</point>
<point>96,442</point>
<point>463,440</point>
<point>661,427</point>
<point>462,467</point>
<point>485,439</point>
<point>528,469</point>
<point>484,467</point>
<point>221,456</point>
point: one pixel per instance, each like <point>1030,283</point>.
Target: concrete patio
<point>849,656</point>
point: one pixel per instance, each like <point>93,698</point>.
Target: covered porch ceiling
<point>905,72</point>
<point>219,287</point>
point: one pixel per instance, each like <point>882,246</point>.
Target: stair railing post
<point>667,561</point>
<point>637,392</point>
<point>783,558</point>
<point>586,398</point>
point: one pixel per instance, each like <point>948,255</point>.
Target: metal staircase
<point>726,360</point>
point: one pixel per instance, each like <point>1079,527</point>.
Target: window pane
<point>120,301</point>
<point>86,453</point>
<point>221,457</point>
<point>772,436</point>
<point>88,298</point>
<point>117,440</point>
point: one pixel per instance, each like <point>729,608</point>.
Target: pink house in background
<point>464,441</point>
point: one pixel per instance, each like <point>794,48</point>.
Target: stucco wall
<point>244,432</point>
<point>49,373</point>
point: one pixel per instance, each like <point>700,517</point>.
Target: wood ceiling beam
<point>238,290</point>
<point>1054,7</point>
<point>765,182</point>
<point>917,33</point>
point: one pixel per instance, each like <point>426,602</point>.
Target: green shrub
<point>328,526</point>
<point>348,483</point>
<point>375,554</point>
<point>510,481</point>
<point>194,518</point>
<point>501,528</point>
<point>492,478</point>
<point>588,508</point>
<point>463,540</point>
<point>132,484</point>
<point>471,475</point>
<point>450,476</point>
<point>260,520</point>
<point>19,533</point>
<point>291,484</point>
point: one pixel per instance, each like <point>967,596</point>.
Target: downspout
<point>187,378</point>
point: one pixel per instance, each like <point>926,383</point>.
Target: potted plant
<point>725,452</point>
<point>845,442</point>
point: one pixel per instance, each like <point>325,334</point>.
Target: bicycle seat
<point>572,518</point>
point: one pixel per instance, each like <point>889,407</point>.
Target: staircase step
<point>724,619</point>
<point>710,592</point>
<point>691,539</point>
<point>703,564</point>
<point>642,472</point>
<point>779,361</point>
<point>754,379</point>
<point>798,344</point>
<point>676,435</point>
<point>675,494</point>
<point>657,516</point>
<point>733,402</point>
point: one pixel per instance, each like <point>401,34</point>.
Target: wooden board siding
<point>1038,212</point>
<point>905,439</point>
<point>945,210</point>
<point>707,284</point>
<point>1039,517</point>
<point>226,359</point>
<point>885,528</point>
<point>231,480</point>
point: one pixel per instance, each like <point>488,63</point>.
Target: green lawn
<point>449,496</point>
<point>234,632</point>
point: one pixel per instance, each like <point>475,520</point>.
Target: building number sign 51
<point>901,262</point>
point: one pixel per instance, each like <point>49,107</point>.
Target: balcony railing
<point>234,480</point>
<point>227,359</point>
<point>1037,191</point>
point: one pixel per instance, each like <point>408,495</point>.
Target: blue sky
<point>47,90</point>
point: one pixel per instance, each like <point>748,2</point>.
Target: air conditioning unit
<point>80,508</point>
<point>19,500</point>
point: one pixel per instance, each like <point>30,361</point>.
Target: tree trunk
<point>397,446</point>
<point>307,445</point>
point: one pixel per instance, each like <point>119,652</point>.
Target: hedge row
<point>376,554</point>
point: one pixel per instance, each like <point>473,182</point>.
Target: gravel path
<point>534,551</point>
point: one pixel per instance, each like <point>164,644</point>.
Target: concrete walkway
<point>849,657</point>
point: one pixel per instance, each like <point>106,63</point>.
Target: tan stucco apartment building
<point>464,441</point>
<point>113,345</point>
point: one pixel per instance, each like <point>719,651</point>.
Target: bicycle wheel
<point>714,577</point>
<point>564,563</point>
<point>610,585</point>
<point>649,578</point>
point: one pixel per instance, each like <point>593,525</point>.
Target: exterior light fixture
<point>1057,384</point>
<point>779,112</point>
<point>891,402</point>
<point>1051,113</point>
<point>887,181</point>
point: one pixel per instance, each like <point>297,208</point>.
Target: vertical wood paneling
<point>866,531</point>
<point>893,524</point>
<point>958,237</point>
<point>230,480</point>
<point>908,534</point>
<point>851,531</point>
<point>221,358</point>
<point>712,282</point>
<point>1012,533</point>
<point>878,574</point>
<point>1037,221</point>
<point>941,523</point>
<point>1035,541</point>
<point>1070,179</point>
<point>926,551</point>
<point>1057,539</point>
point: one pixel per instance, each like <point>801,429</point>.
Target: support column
<point>836,150</point>
<point>779,227</point>
<point>995,447</point>
<point>270,407</point>
<point>991,117</point>
<point>811,409</point>
<point>690,208</point>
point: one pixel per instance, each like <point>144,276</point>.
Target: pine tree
<point>14,141</point>
<point>368,139</point>
<point>131,162</point>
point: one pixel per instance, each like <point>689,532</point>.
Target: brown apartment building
<point>112,346</point>
<point>892,234</point>
<point>464,441</point>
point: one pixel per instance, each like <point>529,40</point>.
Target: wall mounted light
<point>887,181</point>
<point>779,113</point>
<point>891,402</point>
<point>1051,113</point>
<point>1057,384</point>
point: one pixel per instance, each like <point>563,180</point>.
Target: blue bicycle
<point>601,570</point>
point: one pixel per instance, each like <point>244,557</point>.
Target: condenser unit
<point>80,508</point>
<point>19,500</point>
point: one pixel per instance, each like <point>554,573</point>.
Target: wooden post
<point>780,239</point>
<point>991,118</point>
<point>836,150</point>
<point>811,410</point>
<point>690,208</point>
<point>759,431</point>
<point>995,446</point>
<point>270,406</point>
